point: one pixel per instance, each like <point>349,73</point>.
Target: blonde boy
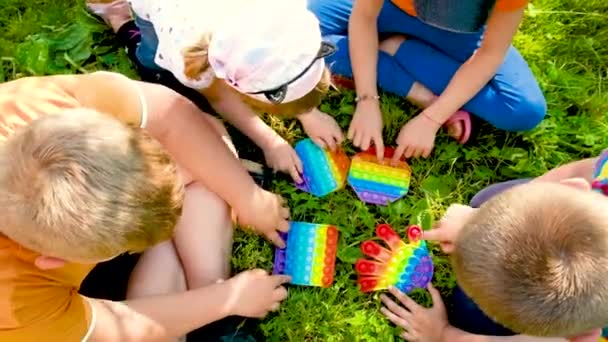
<point>532,257</point>
<point>86,175</point>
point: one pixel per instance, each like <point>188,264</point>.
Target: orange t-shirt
<point>44,305</point>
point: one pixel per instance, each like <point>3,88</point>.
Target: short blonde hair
<point>82,186</point>
<point>534,259</point>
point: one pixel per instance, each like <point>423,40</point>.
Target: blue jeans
<point>511,101</point>
<point>146,50</point>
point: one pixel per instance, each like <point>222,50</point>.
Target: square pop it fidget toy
<point>406,266</point>
<point>310,255</point>
<point>600,174</point>
<point>324,171</point>
<point>379,182</point>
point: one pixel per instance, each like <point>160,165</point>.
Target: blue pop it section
<point>317,175</point>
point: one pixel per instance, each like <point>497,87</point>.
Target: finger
<point>447,248</point>
<point>437,234</point>
<point>379,147</point>
<point>280,279</point>
<point>435,295</point>
<point>404,299</point>
<point>398,321</point>
<point>275,307</point>
<point>418,152</point>
<point>357,139</point>
<point>338,135</point>
<point>398,153</point>
<point>408,336</point>
<point>395,308</point>
<point>279,294</point>
<point>427,152</point>
<point>408,152</point>
<point>275,239</point>
<point>350,134</point>
<point>319,142</point>
<point>297,162</point>
<point>283,226</point>
<point>365,142</point>
<point>285,212</point>
<point>331,143</point>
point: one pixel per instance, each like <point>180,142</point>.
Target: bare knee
<point>146,280</point>
<point>391,45</point>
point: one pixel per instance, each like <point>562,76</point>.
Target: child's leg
<point>203,236</point>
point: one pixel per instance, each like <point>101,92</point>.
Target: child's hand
<point>416,138</point>
<point>366,127</point>
<point>280,156</point>
<point>420,324</point>
<point>322,129</point>
<point>266,213</point>
<point>255,293</point>
<point>446,231</point>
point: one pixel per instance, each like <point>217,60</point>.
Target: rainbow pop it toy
<point>406,265</point>
<point>310,255</point>
<point>600,174</point>
<point>324,171</point>
<point>379,182</point>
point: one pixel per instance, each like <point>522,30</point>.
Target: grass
<point>565,43</point>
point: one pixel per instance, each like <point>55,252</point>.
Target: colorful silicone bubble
<point>324,171</point>
<point>600,174</point>
<point>406,266</point>
<point>379,182</point>
<point>310,255</point>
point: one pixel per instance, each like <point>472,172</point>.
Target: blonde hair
<point>196,62</point>
<point>533,258</point>
<point>82,186</point>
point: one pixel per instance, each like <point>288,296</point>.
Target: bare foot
<point>115,13</point>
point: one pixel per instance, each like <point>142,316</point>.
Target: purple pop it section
<point>279,256</point>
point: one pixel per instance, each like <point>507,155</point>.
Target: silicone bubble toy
<point>310,254</point>
<point>600,174</point>
<point>324,171</point>
<point>406,266</point>
<point>379,182</point>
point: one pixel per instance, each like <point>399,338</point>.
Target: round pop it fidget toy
<point>310,255</point>
<point>377,182</point>
<point>406,266</point>
<point>324,171</point>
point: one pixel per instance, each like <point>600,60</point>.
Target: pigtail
<point>196,58</point>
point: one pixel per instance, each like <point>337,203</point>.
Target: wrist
<point>429,117</point>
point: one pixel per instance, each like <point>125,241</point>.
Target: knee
<point>391,44</point>
<point>524,115</point>
<point>207,198</point>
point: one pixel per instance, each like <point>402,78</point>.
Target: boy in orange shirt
<point>87,173</point>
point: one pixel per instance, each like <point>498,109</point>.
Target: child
<point>81,182</point>
<point>532,257</point>
<point>240,55</point>
<point>448,57</point>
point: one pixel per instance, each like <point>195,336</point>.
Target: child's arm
<point>366,125</point>
<point>578,169</point>
<point>161,318</point>
<point>279,154</point>
<point>480,67</point>
<point>432,323</point>
<point>178,124</point>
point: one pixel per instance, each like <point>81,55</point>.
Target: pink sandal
<point>465,118</point>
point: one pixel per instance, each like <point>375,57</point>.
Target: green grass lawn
<point>566,44</point>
